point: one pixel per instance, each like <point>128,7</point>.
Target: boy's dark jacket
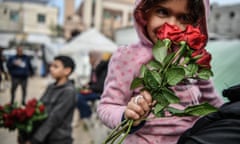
<point>222,127</point>
<point>16,71</point>
<point>101,72</point>
<point>60,103</point>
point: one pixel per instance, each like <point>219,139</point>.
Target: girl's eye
<point>162,12</point>
<point>185,19</point>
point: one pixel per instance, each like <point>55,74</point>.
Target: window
<point>107,14</point>
<point>217,16</point>
<point>5,11</point>
<point>69,18</point>
<point>41,18</point>
<point>14,16</point>
<point>232,15</point>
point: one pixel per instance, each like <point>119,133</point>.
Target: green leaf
<point>175,75</point>
<point>158,108</point>
<point>160,99</point>
<point>157,76</point>
<point>159,51</point>
<point>170,96</point>
<point>137,82</point>
<point>200,110</point>
<point>160,114</point>
<point>186,60</point>
<point>151,79</point>
<point>191,70</point>
<point>21,127</point>
<point>154,65</point>
<point>176,112</point>
<point>168,58</point>
<point>143,70</point>
<point>205,74</point>
<point>29,128</point>
<point>37,111</point>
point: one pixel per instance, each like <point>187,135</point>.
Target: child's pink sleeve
<point>117,91</point>
<point>209,93</point>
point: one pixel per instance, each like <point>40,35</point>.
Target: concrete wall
<point>225,20</point>
<point>5,23</point>
<point>28,18</point>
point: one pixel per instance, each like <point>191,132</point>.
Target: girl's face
<point>173,12</point>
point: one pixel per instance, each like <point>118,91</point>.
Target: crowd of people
<point>60,97</point>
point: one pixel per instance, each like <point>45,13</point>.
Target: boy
<point>59,100</point>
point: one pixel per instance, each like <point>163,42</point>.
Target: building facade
<point>72,21</point>
<point>104,15</point>
<point>28,18</point>
<point>225,20</point>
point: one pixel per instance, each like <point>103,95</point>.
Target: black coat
<point>60,102</point>
<point>222,127</point>
<point>101,73</point>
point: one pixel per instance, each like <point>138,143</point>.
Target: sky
<point>60,5</point>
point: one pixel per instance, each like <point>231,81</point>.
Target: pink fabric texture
<point>123,68</point>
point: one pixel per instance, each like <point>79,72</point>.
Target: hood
<point>139,23</point>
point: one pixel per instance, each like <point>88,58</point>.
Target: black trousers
<point>23,83</point>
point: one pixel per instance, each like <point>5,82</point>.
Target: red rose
<point>204,58</point>
<point>5,117</point>
<point>41,108</point>
<point>9,123</point>
<point>32,103</point>
<point>195,39</point>
<point>193,36</point>
<point>19,114</point>
<point>29,111</point>
<point>171,32</point>
<point>14,113</point>
<point>22,115</point>
<point>1,108</point>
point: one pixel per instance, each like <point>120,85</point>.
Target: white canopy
<point>5,38</point>
<point>87,41</point>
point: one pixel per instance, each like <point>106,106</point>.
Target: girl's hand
<point>139,107</point>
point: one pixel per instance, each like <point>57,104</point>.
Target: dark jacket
<point>17,71</point>
<point>101,72</point>
<point>60,103</point>
<point>222,127</point>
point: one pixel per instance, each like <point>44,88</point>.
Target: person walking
<point>20,68</point>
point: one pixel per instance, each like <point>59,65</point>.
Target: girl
<point>118,102</point>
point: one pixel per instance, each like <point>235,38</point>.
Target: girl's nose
<point>174,21</point>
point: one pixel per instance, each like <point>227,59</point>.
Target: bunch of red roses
<point>192,37</point>
<point>22,118</point>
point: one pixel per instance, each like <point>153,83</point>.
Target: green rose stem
<point>178,54</point>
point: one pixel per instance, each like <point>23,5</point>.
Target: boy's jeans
<point>83,107</point>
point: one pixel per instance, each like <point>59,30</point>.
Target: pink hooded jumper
<point>124,67</point>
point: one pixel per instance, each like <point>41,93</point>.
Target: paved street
<point>35,89</point>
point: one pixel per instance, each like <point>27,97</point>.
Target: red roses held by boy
<point>22,118</point>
